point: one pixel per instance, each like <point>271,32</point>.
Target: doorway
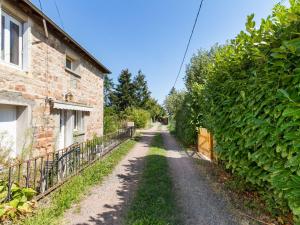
<point>66,128</point>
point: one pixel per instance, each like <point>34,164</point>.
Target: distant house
<point>51,88</point>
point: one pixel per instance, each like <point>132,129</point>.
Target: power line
<point>41,5</point>
<point>189,42</point>
<point>59,15</point>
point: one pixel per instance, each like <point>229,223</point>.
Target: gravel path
<point>198,204</point>
<point>107,203</point>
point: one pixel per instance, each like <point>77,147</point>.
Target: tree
<point>109,95</point>
<point>173,101</point>
<point>199,67</point>
<point>155,109</point>
<point>142,93</point>
<point>125,91</point>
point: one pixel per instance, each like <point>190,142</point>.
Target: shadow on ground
<point>129,181</point>
<point>201,202</point>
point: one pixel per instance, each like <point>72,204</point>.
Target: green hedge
<point>140,117</point>
<point>111,120</point>
<point>184,128</point>
<point>251,103</point>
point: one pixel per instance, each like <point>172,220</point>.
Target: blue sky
<point>152,35</point>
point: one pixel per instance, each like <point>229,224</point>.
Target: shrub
<point>20,204</point>
<point>140,117</point>
<point>111,120</point>
<point>184,128</point>
<point>189,116</point>
<point>171,125</point>
<point>252,105</point>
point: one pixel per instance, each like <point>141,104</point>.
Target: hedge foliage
<point>249,98</point>
<point>111,121</point>
<point>140,117</point>
<point>184,127</point>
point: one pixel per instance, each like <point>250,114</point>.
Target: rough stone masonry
<point>43,78</point>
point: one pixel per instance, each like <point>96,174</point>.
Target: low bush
<point>111,120</point>
<point>20,204</point>
<point>140,117</point>
<point>171,125</point>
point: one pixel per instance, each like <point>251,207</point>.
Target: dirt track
<point>107,203</point>
<point>198,204</point>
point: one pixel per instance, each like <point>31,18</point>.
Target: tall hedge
<point>184,128</point>
<point>251,103</point>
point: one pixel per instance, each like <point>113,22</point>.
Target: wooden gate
<point>205,144</point>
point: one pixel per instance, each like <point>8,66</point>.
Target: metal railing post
<point>9,183</point>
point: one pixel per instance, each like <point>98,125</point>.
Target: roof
<point>66,36</point>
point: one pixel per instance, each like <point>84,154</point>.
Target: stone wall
<point>46,78</point>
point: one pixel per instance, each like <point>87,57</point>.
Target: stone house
<point>51,88</point>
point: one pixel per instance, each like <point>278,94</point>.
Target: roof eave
<point>32,6</point>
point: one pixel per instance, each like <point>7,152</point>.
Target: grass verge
<point>154,203</point>
<point>74,190</point>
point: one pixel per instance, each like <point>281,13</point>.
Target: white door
<point>69,128</point>
<point>62,125</point>
<point>8,128</point>
<point>66,128</point>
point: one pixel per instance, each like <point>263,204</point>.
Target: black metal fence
<point>45,173</point>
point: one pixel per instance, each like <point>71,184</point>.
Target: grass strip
<point>74,190</point>
<point>154,203</point>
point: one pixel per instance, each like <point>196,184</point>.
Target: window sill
<point>72,72</point>
<point>13,69</point>
<point>11,65</point>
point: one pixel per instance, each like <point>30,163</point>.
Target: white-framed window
<point>11,40</point>
<point>79,121</point>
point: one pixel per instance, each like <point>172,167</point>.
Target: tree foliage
<point>247,94</point>
<point>155,109</point>
<point>141,91</point>
<point>198,69</point>
<point>128,99</point>
<point>112,121</point>
<point>173,101</point>
<point>109,95</point>
<point>124,91</point>
<point>139,116</point>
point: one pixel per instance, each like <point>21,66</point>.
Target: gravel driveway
<point>198,204</point>
<point>107,203</point>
